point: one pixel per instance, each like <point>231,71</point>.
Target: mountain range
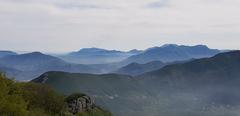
<point>99,61</point>
<point>171,53</point>
<point>200,87</point>
<point>30,65</point>
<point>97,56</point>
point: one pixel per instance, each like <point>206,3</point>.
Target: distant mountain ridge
<point>93,51</point>
<point>33,64</point>
<point>30,65</point>
<point>171,53</point>
<point>228,62</point>
<point>7,53</point>
<point>221,70</point>
<point>29,61</point>
<point>97,56</point>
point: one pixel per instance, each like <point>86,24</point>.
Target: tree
<point>10,104</point>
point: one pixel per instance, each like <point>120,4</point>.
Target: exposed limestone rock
<point>79,103</point>
<point>44,78</point>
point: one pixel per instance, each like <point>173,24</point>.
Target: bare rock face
<point>79,103</point>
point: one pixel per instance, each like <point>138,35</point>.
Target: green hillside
<point>30,99</point>
<point>120,94</point>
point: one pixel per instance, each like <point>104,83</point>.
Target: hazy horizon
<point>63,52</point>
<point>59,26</point>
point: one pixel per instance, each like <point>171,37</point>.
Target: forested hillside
<point>30,99</point>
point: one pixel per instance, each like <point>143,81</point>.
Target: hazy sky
<point>67,25</point>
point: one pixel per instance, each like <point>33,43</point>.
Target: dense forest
<point>31,99</point>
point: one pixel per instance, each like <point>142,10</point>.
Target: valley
<point>203,84</point>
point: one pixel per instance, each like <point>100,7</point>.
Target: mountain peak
<point>203,46</point>
<point>200,47</point>
<point>93,49</point>
<point>169,45</point>
<point>135,51</point>
<point>172,52</point>
<point>176,45</point>
<point>163,46</point>
<point>37,53</point>
<point>33,54</point>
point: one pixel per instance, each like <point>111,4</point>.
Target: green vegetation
<point>30,99</point>
<point>121,94</point>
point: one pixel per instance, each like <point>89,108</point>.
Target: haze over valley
<point>27,66</point>
<point>158,80</point>
<point>119,58</point>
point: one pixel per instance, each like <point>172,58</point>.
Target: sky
<point>68,25</point>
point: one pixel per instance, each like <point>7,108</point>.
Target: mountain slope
<point>223,65</point>
<point>109,91</point>
<point>97,56</point>
<point>217,76</point>
<point>6,53</point>
<point>171,53</point>
<point>202,87</point>
<point>29,61</point>
<point>137,69</point>
<point>207,83</point>
<point>31,99</point>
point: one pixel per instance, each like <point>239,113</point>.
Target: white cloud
<point>63,25</point>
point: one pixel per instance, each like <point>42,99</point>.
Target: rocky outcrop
<point>79,103</point>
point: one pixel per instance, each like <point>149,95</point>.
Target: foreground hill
<point>120,93</point>
<point>171,53</point>
<point>137,69</point>
<point>203,87</point>
<point>97,56</point>
<point>31,65</point>
<point>29,99</point>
